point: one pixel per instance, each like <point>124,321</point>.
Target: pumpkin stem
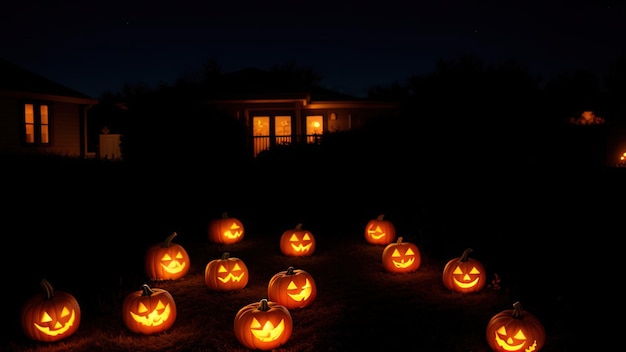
<point>147,291</point>
<point>169,239</point>
<point>299,227</point>
<point>225,255</point>
<point>290,270</point>
<point>225,215</point>
<point>465,255</point>
<point>380,217</point>
<point>518,312</point>
<point>399,240</point>
<point>48,288</point>
<point>264,306</point>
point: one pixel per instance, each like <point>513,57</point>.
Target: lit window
<point>36,124</point>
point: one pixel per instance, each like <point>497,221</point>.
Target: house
<point>275,115</point>
<point>38,115</point>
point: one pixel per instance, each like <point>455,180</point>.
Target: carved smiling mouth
<point>231,277</point>
<point>462,284</point>
<point>402,264</point>
<point>173,267</point>
<point>58,328</point>
<point>301,248</point>
<point>268,332</point>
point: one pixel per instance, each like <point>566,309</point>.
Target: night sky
<point>98,46</point>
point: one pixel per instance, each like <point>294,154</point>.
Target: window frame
<point>37,124</point>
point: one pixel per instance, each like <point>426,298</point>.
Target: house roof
<point>16,81</point>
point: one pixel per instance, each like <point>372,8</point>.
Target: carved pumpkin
<point>265,326</point>
<point>225,230</point>
<point>149,310</point>
<point>380,231</point>
<point>464,274</point>
<point>50,317</point>
<point>515,330</point>
<point>167,260</point>
<point>293,288</point>
<point>401,257</point>
<point>226,274</point>
<point>297,242</point>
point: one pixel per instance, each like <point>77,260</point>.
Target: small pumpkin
<point>293,288</point>
<point>515,330</point>
<point>263,325</point>
<point>149,310</point>
<point>401,257</point>
<point>380,231</point>
<point>464,274</point>
<point>167,260</point>
<point>226,274</point>
<point>297,242</point>
<point>226,230</point>
<point>50,317</point>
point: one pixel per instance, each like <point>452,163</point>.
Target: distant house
<point>277,115</point>
<point>38,115</point>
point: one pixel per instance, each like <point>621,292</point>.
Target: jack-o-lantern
<point>50,317</point>
<point>149,310</point>
<point>225,230</point>
<point>293,288</point>
<point>401,257</point>
<point>167,260</point>
<point>264,326</point>
<point>380,231</point>
<point>297,242</point>
<point>226,274</point>
<point>464,274</point>
<point>515,330</point>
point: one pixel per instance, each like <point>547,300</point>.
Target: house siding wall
<point>9,125</point>
<point>66,130</point>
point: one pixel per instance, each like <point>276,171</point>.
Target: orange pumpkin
<point>264,326</point>
<point>225,230</point>
<point>515,330</point>
<point>401,257</point>
<point>50,317</point>
<point>149,310</point>
<point>297,242</point>
<point>380,231</point>
<point>293,288</point>
<point>464,274</point>
<point>226,274</point>
<point>167,260</point>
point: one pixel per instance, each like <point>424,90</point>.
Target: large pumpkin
<point>515,330</point>
<point>226,274</point>
<point>225,230</point>
<point>167,260</point>
<point>380,231</point>
<point>264,326</point>
<point>293,288</point>
<point>149,310</point>
<point>401,257</point>
<point>52,316</point>
<point>297,242</point>
<point>464,274</point>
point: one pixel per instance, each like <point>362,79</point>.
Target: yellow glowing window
<point>29,121</point>
<point>43,114</point>
<point>282,126</point>
<point>36,124</point>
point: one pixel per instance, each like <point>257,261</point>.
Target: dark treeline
<point>464,113</point>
